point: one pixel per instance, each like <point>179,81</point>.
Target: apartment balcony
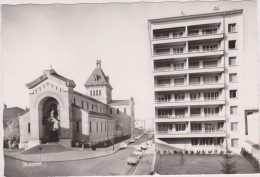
<point>187,101</point>
<point>199,53</point>
<point>191,118</point>
<point>187,37</point>
<point>191,86</point>
<point>190,70</point>
<point>190,133</point>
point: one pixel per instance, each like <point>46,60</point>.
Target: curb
<point>64,160</point>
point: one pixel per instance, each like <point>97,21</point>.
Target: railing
<point>172,132</point>
<point>191,116</point>
<point>210,66</point>
<point>194,83</point>
<point>163,69</point>
<point>183,52</point>
<point>210,82</point>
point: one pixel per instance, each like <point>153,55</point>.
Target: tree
<point>228,164</point>
<point>11,132</point>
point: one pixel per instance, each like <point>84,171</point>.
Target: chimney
<point>5,106</point>
<point>98,63</point>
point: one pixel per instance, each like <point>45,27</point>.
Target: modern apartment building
<point>198,80</point>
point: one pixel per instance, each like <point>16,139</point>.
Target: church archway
<point>50,116</point>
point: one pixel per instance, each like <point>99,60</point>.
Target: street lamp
<point>40,154</point>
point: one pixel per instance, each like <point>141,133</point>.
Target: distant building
<point>140,124</point>
<point>201,94</point>
<point>11,113</point>
<point>60,114</point>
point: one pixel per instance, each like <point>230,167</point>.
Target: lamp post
<point>40,155</point>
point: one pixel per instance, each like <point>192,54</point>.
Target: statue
<point>54,126</point>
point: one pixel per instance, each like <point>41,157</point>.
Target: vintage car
<point>132,160</point>
<point>122,145</point>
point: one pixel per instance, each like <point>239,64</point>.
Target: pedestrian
<point>82,144</point>
<point>9,145</point>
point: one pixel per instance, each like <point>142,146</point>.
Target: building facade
<point>199,89</point>
<point>60,114</point>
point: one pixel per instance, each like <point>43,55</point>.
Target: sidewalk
<point>145,165</point>
<point>69,155</point>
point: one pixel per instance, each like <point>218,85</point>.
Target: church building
<point>60,114</point>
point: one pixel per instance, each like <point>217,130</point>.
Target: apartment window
<point>209,31</point>
<point>96,92</point>
<point>196,127</point>
<point>161,35</point>
<point>233,77</point>
<point>194,64</point>
<point>232,61</point>
<point>212,111</point>
<point>164,98</point>
<point>195,141</point>
<point>210,47</point>
<point>179,113</point>
<point>99,92</point>
<point>234,142</point>
<point>97,126</point>
<point>232,44</point>
<point>194,95</point>
<point>194,48</point>
<point>194,80</point>
<point>195,112</point>
<point>163,66</point>
<point>110,110</point>
<point>233,93</point>
<point>211,95</point>
<point>179,96</point>
<point>124,110</point>
<point>77,126</point>
<point>220,125</point>
<point>164,113</point>
<point>90,126</point>
<point>101,126</point>
<point>209,127</point>
<point>210,79</point>
<point>164,82</point>
<point>177,33</point>
<point>117,111</point>
<point>233,110</point>
<point>178,81</point>
<point>162,51</point>
<point>177,50</point>
<point>234,126</point>
<point>93,93</point>
<point>193,32</point>
<point>105,126</point>
<point>82,104</point>
<point>90,92</point>
<point>92,106</point>
<point>87,106</point>
<point>178,66</point>
<point>209,64</point>
<point>29,127</point>
<point>180,127</point>
<point>232,28</point>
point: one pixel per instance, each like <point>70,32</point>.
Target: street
<point>111,165</point>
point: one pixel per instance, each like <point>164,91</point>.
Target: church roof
<point>98,77</point>
<point>119,102</point>
<point>45,75</point>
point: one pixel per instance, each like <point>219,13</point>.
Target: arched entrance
<point>50,120</point>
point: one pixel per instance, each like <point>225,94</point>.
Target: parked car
<point>138,153</point>
<point>122,145</point>
<point>143,146</point>
<point>132,160</point>
<point>131,140</point>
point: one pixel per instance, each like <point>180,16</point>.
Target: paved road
<point>114,164</point>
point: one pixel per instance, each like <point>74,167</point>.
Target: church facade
<point>60,114</point>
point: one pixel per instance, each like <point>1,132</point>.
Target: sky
<point>72,37</point>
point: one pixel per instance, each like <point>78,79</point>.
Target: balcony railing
<point>186,116</point>
<point>184,84</point>
<point>210,49</point>
<point>172,132</point>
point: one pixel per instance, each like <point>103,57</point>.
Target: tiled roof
<point>44,77</point>
<point>97,77</point>
<point>119,102</point>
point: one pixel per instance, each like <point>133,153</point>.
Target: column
<point>188,79</point>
